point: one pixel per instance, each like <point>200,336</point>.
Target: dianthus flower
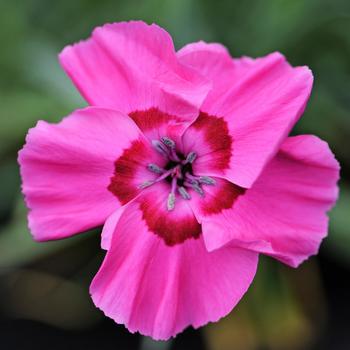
<point>185,159</point>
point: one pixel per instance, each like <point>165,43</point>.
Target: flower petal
<point>66,169</point>
<point>132,66</point>
<point>209,137</point>
<point>130,170</point>
<point>109,227</point>
<point>213,61</point>
<point>216,199</point>
<point>260,100</point>
<point>284,213</point>
<point>159,289</point>
<point>155,124</point>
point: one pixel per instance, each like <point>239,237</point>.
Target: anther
<point>184,193</point>
<point>160,147</point>
<point>171,201</point>
<point>171,198</point>
<point>206,180</point>
<point>191,178</point>
<point>173,156</point>
<point>198,189</point>
<point>155,168</point>
<point>190,158</point>
<point>146,184</point>
<point>168,142</point>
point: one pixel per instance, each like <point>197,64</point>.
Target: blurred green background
<point>44,300</point>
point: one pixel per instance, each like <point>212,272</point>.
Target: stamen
<point>178,174</point>
<point>184,193</point>
<point>206,180</point>
<point>171,198</point>
<point>173,155</point>
<point>168,142</point>
<point>191,157</point>
<point>160,148</point>
<point>190,183</point>
<point>160,178</point>
<point>146,184</point>
<point>198,189</point>
<point>165,175</point>
<point>192,178</point>
<point>171,202</point>
<point>155,168</point>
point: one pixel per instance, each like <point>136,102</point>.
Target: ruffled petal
<point>158,289</point>
<point>284,213</point>
<point>132,66</point>
<point>109,227</point>
<point>213,61</point>
<point>260,100</point>
<point>67,167</point>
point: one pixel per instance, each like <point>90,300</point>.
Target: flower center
<point>177,172</point>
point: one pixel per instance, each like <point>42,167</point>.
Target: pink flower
<point>184,157</point>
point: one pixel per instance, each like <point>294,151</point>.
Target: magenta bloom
<point>185,160</point>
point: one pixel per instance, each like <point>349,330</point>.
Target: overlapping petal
<point>284,213</point>
<point>67,167</point>
<point>132,66</point>
<point>213,61</point>
<point>159,289</point>
<point>260,100</point>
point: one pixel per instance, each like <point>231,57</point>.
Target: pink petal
<point>109,227</point>
<point>155,124</point>
<point>66,169</point>
<point>284,213</point>
<point>175,226</point>
<point>159,289</point>
<point>259,99</point>
<point>212,60</point>
<point>209,137</point>
<point>217,198</point>
<point>130,170</point>
<point>132,66</point>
